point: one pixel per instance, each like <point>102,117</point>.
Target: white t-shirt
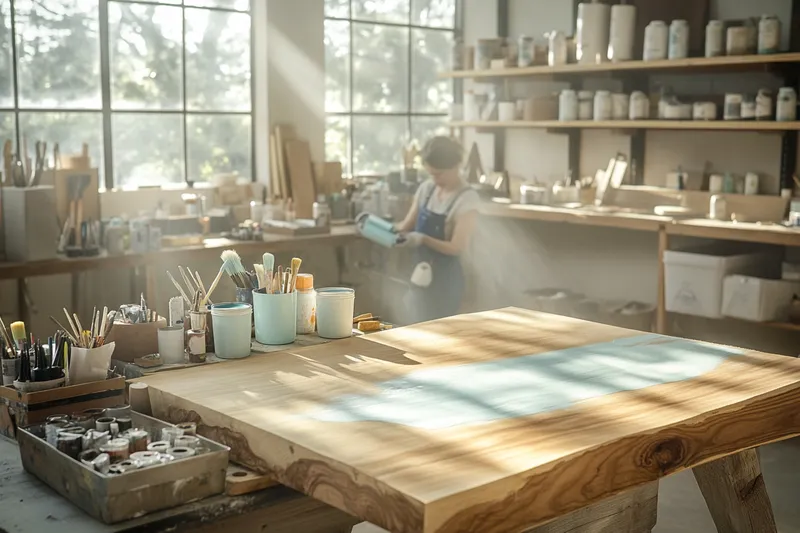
<point>440,201</point>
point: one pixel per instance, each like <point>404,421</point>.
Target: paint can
<point>737,40</point>
<point>639,107</point>
<point>187,441</point>
<point>335,307</point>
<point>656,41</point>
<point>620,104</point>
<point>751,183</point>
<point>557,52</point>
<point>160,446</point>
<point>169,434</point>
<point>733,106</point>
<point>585,105</point>
<point>232,329</point>
<point>69,444</point>
<point>525,51</point>
<point>679,39</point>
<point>118,450</point>
<point>124,424</point>
<point>180,453</point>
<point>602,106</point>
<point>786,108</point>
<point>622,32</point>
<point>568,106</point>
<point>592,35</point>
<point>275,317</point>
<point>715,38</point>
<point>189,428</point>
<point>769,34</point>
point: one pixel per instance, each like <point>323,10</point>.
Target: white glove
<point>412,240</point>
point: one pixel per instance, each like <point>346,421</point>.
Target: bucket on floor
<point>231,322</point>
<point>335,307</point>
<point>275,317</point>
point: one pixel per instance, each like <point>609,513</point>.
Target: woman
<point>439,226</point>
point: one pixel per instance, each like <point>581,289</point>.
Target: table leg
<point>734,490</point>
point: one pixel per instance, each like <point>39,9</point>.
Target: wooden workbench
<point>664,227</point>
<point>497,421</point>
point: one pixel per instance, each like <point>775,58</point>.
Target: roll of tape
<point>180,453</point>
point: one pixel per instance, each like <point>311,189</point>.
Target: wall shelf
<point>748,62</point>
<point>696,125</point>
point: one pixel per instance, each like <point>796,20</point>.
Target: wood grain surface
<point>507,466</point>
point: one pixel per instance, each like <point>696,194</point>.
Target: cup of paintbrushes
<point>10,370</point>
<point>90,364</point>
<point>275,317</point>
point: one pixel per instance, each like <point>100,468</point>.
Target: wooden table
<point>499,421</point>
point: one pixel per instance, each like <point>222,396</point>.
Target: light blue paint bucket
<point>231,330</point>
<point>275,317</point>
<point>335,312</point>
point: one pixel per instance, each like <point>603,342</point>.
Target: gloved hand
<point>412,240</point>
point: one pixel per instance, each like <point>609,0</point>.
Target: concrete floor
<point>681,508</point>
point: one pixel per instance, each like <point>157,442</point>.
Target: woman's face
<point>443,177</point>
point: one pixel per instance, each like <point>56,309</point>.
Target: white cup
<point>507,111</point>
<point>170,345</point>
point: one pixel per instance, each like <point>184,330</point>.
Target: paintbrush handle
<point>212,288</point>
<point>180,289</point>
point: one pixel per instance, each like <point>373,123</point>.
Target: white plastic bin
<point>694,277</point>
<point>757,299</point>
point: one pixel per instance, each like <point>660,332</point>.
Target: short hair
<point>442,153</point>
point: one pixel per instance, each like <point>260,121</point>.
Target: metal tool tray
<point>114,498</point>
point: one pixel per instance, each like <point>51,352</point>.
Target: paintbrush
<point>259,270</point>
<point>6,337</point>
<point>226,259</point>
<point>187,280</point>
<point>62,328</point>
<point>177,286</point>
<point>200,283</point>
<point>279,280</point>
<point>296,262</point>
<point>268,260</point>
<point>235,269</point>
<point>18,333</point>
<point>75,333</point>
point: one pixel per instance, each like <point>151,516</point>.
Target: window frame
<point>105,108</point>
<point>458,33</point>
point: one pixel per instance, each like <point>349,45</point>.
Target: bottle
<point>786,109</point>
<point>769,34</point>
<point>717,208</point>
<point>602,106</point>
<point>640,106</point>
<point>306,304</point>
<point>585,105</point>
<point>764,105</point>
<point>748,107</point>
<point>321,213</point>
<point>288,211</point>
<point>525,51</point>
<point>558,51</point>
<point>679,39</point>
<point>714,38</point>
<point>568,105</point>
<point>656,41</point>
<point>620,104</point>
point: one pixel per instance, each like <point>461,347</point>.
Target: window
<point>159,90</point>
<point>382,90</point>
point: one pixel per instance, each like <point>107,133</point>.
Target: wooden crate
<point>22,409</point>
<point>132,494</point>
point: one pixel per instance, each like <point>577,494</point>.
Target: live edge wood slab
<point>493,421</point>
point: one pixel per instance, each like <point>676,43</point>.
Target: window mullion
<point>105,91</point>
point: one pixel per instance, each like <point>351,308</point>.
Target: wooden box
<point>22,409</point>
<point>30,227</point>
<point>122,497</point>
<point>135,340</point>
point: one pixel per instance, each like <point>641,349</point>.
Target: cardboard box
<point>25,408</point>
<point>29,224</point>
<point>541,108</point>
<point>758,299</point>
<point>135,340</point>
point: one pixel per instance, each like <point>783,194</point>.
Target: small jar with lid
<point>306,304</point>
<point>715,38</point>
<point>602,106</point>
<point>585,105</point>
<point>786,108</point>
<point>769,34</point>
<point>679,39</point>
<point>656,41</point>
<point>568,106</point>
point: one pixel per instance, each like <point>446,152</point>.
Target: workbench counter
<point>339,235</point>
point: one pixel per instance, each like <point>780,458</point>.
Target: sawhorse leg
<point>736,495</point>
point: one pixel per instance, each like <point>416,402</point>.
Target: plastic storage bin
<point>694,277</point>
<point>757,299</point>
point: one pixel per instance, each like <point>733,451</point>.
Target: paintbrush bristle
<point>268,261</point>
<point>18,331</point>
<point>232,263</point>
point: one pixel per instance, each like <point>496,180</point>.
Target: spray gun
<point>378,230</point>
